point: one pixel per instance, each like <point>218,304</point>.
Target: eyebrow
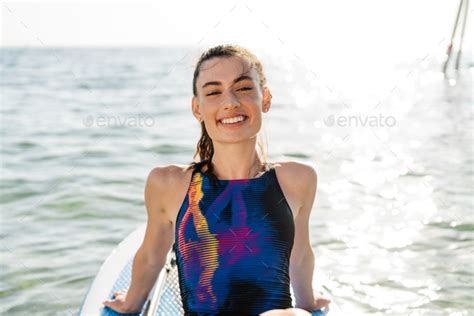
<point>218,83</point>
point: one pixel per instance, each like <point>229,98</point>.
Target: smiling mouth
<point>235,123</point>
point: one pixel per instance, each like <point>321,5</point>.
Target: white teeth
<point>232,120</point>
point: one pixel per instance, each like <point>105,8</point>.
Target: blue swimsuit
<point>233,246</point>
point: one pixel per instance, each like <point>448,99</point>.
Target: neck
<point>236,160</point>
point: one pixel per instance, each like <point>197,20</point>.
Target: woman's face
<point>228,87</point>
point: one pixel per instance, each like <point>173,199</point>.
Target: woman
<point>238,224</point>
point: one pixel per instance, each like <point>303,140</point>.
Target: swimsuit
<point>233,246</point>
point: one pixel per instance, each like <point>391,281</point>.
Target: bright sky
<point>356,46</point>
<point>353,43</point>
<point>326,25</point>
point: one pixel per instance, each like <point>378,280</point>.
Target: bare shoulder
<point>160,200</point>
<point>165,186</point>
<point>166,175</point>
<point>298,173</point>
<point>298,182</point>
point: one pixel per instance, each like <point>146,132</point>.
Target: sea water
<point>392,223</point>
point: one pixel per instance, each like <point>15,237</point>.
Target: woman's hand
<point>119,304</point>
<point>320,301</point>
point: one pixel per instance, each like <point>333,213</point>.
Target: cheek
<point>254,95</point>
<point>209,106</point>
<point>251,99</point>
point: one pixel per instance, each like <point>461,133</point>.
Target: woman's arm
<point>302,256</point>
<point>151,256</point>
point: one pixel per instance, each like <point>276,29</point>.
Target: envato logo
<point>360,121</point>
<point>118,121</point>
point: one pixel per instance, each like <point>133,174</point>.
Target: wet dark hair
<point>205,148</point>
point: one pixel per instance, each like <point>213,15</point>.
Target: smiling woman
<point>238,224</point>
<point>240,81</point>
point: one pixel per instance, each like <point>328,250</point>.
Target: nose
<point>230,100</point>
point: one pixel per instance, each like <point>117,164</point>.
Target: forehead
<point>225,69</point>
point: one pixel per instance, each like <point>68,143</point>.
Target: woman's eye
<point>212,93</point>
<point>245,88</point>
<point>218,92</point>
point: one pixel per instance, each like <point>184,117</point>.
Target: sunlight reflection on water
<point>392,223</point>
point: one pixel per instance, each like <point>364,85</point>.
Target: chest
<point>237,222</point>
<point>237,203</point>
<point>237,198</point>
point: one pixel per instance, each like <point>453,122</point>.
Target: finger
<point>111,304</point>
<point>120,292</point>
<point>108,302</point>
<point>322,302</point>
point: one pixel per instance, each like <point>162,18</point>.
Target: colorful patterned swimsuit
<point>233,246</point>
